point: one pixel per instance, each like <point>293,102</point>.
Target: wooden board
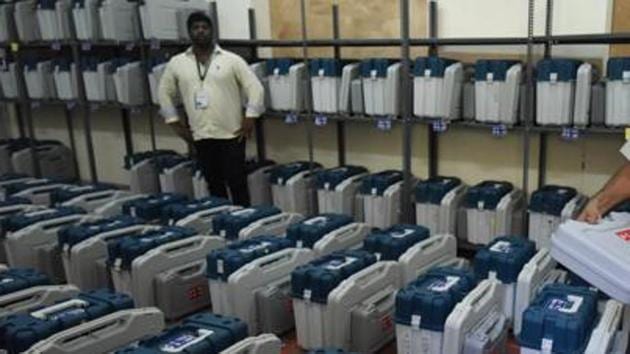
<point>621,23</point>
<point>358,19</point>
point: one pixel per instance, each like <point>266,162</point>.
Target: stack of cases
<point>293,187</point>
<point>150,208</point>
<point>381,87</point>
<point>143,170</point>
<point>618,92</point>
<point>337,189</point>
<point>497,86</point>
<point>563,92</point>
<point>156,69</point>
<point>503,259</point>
<point>548,208</point>
<point>54,18</point>
<point>325,84</point>
<point>65,76</point>
<point>438,203</point>
<point>25,16</point>
<point>119,20</point>
<point>286,84</point>
<point>7,29</point>
<point>8,79</point>
<point>98,79</point>
<point>129,82</point>
<point>380,196</point>
<point>38,76</point>
<point>86,20</point>
<point>437,88</point>
<point>166,19</point>
<point>229,225</point>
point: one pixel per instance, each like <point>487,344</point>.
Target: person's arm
<point>167,93</point>
<point>255,93</point>
<point>614,192</point>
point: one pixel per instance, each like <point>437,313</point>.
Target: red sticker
<point>387,323</point>
<point>195,292</point>
<point>624,234</point>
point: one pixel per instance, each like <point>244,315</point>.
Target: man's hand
<point>592,213</point>
<point>247,128</point>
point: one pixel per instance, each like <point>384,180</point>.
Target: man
<point>209,81</point>
<point>614,192</point>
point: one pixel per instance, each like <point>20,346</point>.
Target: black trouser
<point>223,164</point>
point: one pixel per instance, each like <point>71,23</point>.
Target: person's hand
<point>246,128</point>
<point>592,213</point>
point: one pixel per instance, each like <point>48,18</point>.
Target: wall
<point>471,154</point>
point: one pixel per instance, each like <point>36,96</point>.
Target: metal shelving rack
<point>526,128</point>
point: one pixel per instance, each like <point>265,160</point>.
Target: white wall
<point>508,18</point>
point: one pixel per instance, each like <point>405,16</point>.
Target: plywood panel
<point>358,19</point>
<point>621,23</point>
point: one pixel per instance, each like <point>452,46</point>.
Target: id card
<point>201,99</point>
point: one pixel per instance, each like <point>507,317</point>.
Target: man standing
<point>209,82</point>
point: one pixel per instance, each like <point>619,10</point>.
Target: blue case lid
<point>12,177</point>
<point>128,248</point>
<point>551,199</point>
<point>391,243</point>
<point>616,67</point>
<point>62,64</point>
<point>566,69</point>
<point>433,296</point>
<point>169,161</point>
<point>378,65</point>
<point>174,212</point>
<point>330,67</point>
<point>308,232</point>
<point>498,69</point>
<point>282,64</point>
<point>229,224</point>
<point>75,234</point>
<point>19,332</point>
<point>225,261</point>
<point>487,195</point>
<point>329,179</point>
<point>377,183</point>
<point>562,313</point>
<point>46,4</point>
<point>433,190</point>
<point>506,256</point>
<point>22,220</point>
<point>252,165</point>
<point>199,334</point>
<point>150,207</point>
<point>15,279</point>
<point>436,65</point>
<point>12,201</point>
<point>138,157</point>
<point>65,194</point>
<point>281,173</point>
<point>324,274</point>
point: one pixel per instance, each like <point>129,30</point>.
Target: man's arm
<point>616,190</point>
<point>255,93</point>
<point>167,93</point>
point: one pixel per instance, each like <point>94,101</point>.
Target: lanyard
<point>202,77</point>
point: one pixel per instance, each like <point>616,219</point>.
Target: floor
<point>291,346</point>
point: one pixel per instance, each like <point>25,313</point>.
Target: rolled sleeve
<point>254,90</point>
<point>167,93</point>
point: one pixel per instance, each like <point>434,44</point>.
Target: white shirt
<point>228,76</point>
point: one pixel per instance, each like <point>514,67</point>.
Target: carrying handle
<point>192,270</point>
<point>276,260</point>
<point>367,278</point>
<point>59,224</point>
<point>276,219</point>
<point>43,314</point>
<point>182,247</point>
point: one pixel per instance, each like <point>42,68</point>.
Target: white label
<point>316,220</point>
<point>244,212</point>
<point>401,234</point>
<point>307,294</point>
<point>132,211</point>
<point>481,204</point>
<point>321,72</point>
<point>501,247</point>
<point>299,244</point>
<point>183,341</point>
<point>327,186</point>
<point>220,266</point>
<point>553,77</point>
<point>373,74</point>
<point>626,76</point>
<point>427,72</point>
<point>374,191</point>
<point>255,247</point>
<point>222,233</point>
<point>415,321</point>
<point>337,264</point>
<point>443,285</point>
<point>489,77</point>
<point>276,71</point>
<point>378,256</point>
<point>546,346</point>
<point>570,305</point>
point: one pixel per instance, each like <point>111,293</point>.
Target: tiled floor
<point>291,347</point>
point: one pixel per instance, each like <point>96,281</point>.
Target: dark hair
<point>199,16</point>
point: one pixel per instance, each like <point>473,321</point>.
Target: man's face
<point>201,33</point>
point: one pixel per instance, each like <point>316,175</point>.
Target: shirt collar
<point>217,50</point>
